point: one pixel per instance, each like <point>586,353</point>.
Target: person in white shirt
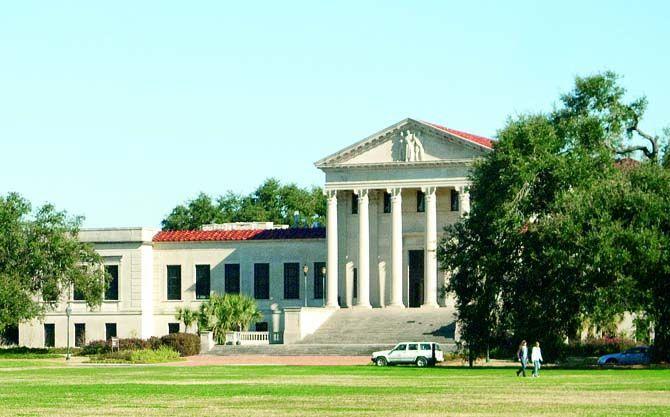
<point>522,355</point>
<point>536,357</point>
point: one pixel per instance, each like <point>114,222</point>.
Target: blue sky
<point>120,110</point>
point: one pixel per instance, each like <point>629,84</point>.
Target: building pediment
<point>410,143</point>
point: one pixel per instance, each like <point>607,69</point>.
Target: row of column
<point>430,277</point>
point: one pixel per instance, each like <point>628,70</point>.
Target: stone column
<point>363,299</point>
<point>464,200</point>
<point>332,274</point>
<point>430,277</point>
<point>396,247</point>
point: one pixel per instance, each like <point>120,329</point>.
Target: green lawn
<point>31,390</point>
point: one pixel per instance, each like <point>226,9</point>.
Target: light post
<point>323,285</point>
<point>305,270</point>
<point>68,312</point>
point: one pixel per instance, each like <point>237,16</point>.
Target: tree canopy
<point>563,230</point>
<point>271,201</point>
<point>41,259</point>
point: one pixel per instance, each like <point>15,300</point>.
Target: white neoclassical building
<point>389,197</point>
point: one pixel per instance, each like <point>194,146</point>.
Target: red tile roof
<point>480,140</point>
<point>228,235</point>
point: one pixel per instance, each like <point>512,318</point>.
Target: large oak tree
<point>564,228</point>
<point>41,260</point>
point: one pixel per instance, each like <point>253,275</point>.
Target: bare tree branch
<point>653,140</point>
<point>629,149</point>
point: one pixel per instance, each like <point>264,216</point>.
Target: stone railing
<point>247,338</point>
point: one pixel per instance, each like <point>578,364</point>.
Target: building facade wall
<point>245,253</point>
<point>126,248</point>
<point>143,309</point>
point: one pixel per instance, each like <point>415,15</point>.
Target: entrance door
<point>415,278</point>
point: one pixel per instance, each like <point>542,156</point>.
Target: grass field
<point>50,389</point>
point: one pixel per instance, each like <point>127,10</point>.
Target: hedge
<point>186,344</point>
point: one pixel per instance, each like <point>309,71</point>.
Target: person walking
<point>536,357</point>
<point>522,355</point>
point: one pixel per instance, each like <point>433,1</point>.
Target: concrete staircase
<point>351,331</point>
<point>385,326</point>
<point>298,350</point>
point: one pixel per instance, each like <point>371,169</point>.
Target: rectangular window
<point>262,326</point>
<point>354,203</point>
<point>291,281</point>
<point>49,335</point>
<point>202,282</point>
<point>261,281</point>
<point>355,283</point>
<point>319,279</point>
<point>413,346</point>
<point>387,202</point>
<point>110,330</point>
<point>173,328</point>
<point>77,294</point>
<point>454,200</point>
<point>420,201</point>
<point>112,291</point>
<point>10,336</point>
<point>79,334</point>
<point>232,284</point>
<point>174,282</point>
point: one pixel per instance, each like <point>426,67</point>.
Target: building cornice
<point>397,164</point>
<point>454,182</point>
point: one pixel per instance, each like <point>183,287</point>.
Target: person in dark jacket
<point>522,355</point>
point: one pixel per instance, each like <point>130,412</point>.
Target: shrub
<point>119,356</point>
<point>96,347</point>
<point>162,354</point>
<point>27,353</point>
<point>63,350</point>
<point>23,349</point>
<point>186,344</point>
<point>154,342</point>
<point>133,343</point>
<point>597,346</point>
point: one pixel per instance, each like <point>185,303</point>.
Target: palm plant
<point>229,312</point>
<point>187,316</point>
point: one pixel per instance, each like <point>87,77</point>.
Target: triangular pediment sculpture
<point>410,142</point>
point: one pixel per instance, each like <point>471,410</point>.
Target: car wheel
<point>421,362</point>
<point>611,362</point>
<point>381,361</point>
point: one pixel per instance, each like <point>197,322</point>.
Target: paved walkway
<point>207,360</point>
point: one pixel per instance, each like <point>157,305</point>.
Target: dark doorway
<point>415,278</point>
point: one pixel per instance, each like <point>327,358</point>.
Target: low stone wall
<point>303,321</point>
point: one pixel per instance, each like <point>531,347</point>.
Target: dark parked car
<point>640,355</point>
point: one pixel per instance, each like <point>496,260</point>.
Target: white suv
<point>420,353</point>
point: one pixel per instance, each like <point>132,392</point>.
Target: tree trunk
<point>471,358</point>
<point>661,351</point>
